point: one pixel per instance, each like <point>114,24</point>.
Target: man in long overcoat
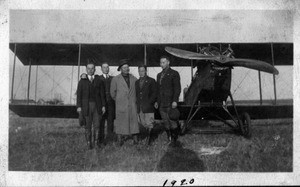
<point>122,90</point>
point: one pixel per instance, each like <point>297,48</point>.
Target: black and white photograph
<point>166,93</point>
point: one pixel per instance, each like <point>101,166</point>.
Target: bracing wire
<point>241,82</point>
<point>20,80</point>
<point>57,83</point>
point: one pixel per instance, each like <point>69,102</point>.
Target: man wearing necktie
<point>169,89</point>
<point>110,104</point>
<point>91,104</point>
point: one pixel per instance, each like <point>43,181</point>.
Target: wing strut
<point>145,54</point>
<point>13,75</point>
<point>36,82</point>
<point>274,80</point>
<point>71,85</point>
<point>79,54</point>
<point>29,75</point>
<point>260,91</point>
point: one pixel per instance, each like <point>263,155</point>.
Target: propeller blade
<point>188,54</point>
<point>248,63</point>
<point>252,64</point>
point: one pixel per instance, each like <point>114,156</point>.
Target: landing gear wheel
<point>245,125</point>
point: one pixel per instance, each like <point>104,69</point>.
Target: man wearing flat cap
<point>122,90</point>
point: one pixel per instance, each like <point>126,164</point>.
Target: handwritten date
<point>182,182</point>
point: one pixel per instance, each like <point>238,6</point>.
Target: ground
<point>45,144</point>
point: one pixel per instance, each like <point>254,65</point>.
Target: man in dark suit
<point>169,89</point>
<point>110,104</point>
<point>145,88</point>
<point>91,102</point>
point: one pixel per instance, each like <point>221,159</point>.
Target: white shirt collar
<point>90,76</point>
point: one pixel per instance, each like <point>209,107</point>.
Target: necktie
<point>91,79</point>
<point>162,76</point>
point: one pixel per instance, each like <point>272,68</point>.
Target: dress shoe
<point>120,140</point>
<point>168,135</point>
<point>135,139</point>
<point>90,145</point>
<point>174,135</point>
<point>101,143</point>
<point>121,143</point>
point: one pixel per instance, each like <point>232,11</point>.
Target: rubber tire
<point>245,125</point>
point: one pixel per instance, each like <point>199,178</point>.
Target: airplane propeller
<point>253,64</point>
<point>224,60</point>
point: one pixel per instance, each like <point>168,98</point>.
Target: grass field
<point>37,144</point>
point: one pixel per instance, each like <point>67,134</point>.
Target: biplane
<point>212,81</point>
<point>143,39</point>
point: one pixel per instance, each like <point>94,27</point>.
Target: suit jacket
<point>169,89</point>
<point>146,97</point>
<point>107,91</point>
<point>83,94</point>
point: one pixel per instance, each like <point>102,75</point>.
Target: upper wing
<point>187,54</point>
<point>252,64</point>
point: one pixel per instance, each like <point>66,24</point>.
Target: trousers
<point>109,117</point>
<point>92,122</point>
<point>168,124</point>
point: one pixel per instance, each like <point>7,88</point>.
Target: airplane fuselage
<point>211,83</point>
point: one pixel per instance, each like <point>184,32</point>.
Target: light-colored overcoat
<point>126,121</point>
